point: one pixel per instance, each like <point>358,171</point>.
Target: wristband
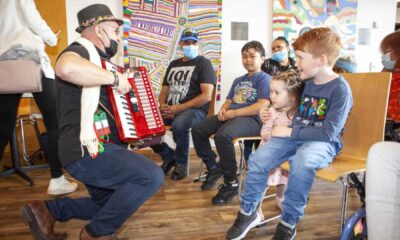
<point>116,79</point>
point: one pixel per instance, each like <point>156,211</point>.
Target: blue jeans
<point>118,181</point>
<point>181,125</point>
<point>305,157</point>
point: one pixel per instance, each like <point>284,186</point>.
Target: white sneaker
<point>61,185</point>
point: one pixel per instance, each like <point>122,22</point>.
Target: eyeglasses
<point>117,30</point>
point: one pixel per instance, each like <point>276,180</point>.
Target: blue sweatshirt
<point>323,112</point>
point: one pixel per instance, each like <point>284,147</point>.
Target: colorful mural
<point>153,27</point>
<point>291,17</point>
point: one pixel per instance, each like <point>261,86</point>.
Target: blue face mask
<point>279,56</point>
<point>387,62</point>
<point>190,51</point>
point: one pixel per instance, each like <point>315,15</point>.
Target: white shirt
<point>21,23</point>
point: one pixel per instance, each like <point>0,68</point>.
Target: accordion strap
<point>108,111</point>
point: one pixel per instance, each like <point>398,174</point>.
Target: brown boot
<point>84,235</point>
<point>40,221</point>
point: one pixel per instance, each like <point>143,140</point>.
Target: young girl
<point>285,92</point>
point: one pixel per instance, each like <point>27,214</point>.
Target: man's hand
<point>123,86</point>
<point>166,112</point>
<point>281,131</point>
<point>175,109</point>
<point>265,114</point>
<point>163,110</point>
<point>169,112</point>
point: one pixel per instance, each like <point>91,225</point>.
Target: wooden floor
<point>180,210</point>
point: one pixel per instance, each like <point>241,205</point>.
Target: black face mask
<point>112,49</point>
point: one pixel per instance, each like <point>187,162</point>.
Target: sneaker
<point>61,185</point>
<point>211,179</point>
<point>167,166</point>
<point>242,225</point>
<point>283,232</point>
<point>226,192</point>
<point>179,173</point>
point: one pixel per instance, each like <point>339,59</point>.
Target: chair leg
<point>241,166</point>
<point>202,176</point>
<point>38,154</point>
<point>267,196</point>
<point>15,161</point>
<point>242,169</point>
<point>16,167</point>
<point>345,193</point>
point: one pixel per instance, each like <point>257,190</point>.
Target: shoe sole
<point>254,224</point>
<point>55,193</point>
<point>29,218</point>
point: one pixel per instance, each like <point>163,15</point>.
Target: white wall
<point>258,14</point>
<point>398,15</point>
<point>380,17</point>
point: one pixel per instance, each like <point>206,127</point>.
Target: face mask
<point>387,62</point>
<point>112,49</point>
<point>279,56</point>
<point>190,51</point>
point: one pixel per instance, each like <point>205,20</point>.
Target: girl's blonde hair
<point>294,85</point>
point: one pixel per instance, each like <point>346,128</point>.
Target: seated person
<point>184,101</point>
<point>310,143</point>
<point>280,61</point>
<point>285,93</point>
<point>391,63</point>
<point>345,65</point>
<point>382,191</point>
<point>238,117</point>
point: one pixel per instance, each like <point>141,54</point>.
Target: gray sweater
<point>323,112</point>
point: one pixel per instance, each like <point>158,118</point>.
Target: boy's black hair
<point>282,38</point>
<point>256,45</point>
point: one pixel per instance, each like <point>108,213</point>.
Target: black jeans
<point>224,132</point>
<point>46,101</point>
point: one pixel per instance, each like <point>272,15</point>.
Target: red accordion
<point>136,113</point>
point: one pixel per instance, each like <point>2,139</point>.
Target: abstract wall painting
<point>292,17</point>
<point>153,27</point>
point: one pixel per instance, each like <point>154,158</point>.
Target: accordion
<point>136,113</point>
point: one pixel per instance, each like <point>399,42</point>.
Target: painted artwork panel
<point>292,17</point>
<point>153,27</point>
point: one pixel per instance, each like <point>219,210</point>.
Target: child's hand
<point>265,114</point>
<point>265,136</point>
<point>229,114</point>
<point>221,115</point>
<point>281,131</point>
